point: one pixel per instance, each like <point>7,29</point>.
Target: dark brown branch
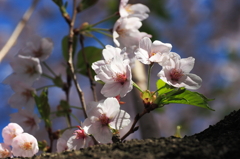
<point>133,128</point>
<point>70,60</point>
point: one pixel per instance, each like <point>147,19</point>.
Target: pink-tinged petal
<point>122,11</point>
<point>74,143</point>
<point>145,44</point>
<point>158,46</point>
<point>142,56</point>
<point>27,120</point>
<point>124,2</point>
<point>128,72</point>
<point>46,49</point>
<point>109,52</point>
<point>96,66</point>
<point>132,23</point>
<point>101,133</point>
<point>117,66</point>
<point>139,10</point>
<point>157,58</point>
<point>105,74</point>
<point>24,145</point>
<point>192,81</point>
<point>121,120</point>
<point>87,123</point>
<point>5,151</point>
<point>62,141</point>
<point>91,105</point>
<point>187,64</point>
<point>37,47</point>
<point>111,107</point>
<point>127,87</point>
<point>111,89</point>
<point>11,131</point>
<point>19,101</point>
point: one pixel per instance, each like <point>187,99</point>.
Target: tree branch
<point>70,60</point>
<point>11,41</point>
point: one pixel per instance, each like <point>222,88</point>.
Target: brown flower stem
<point>70,60</point>
<point>133,128</point>
<point>89,72</point>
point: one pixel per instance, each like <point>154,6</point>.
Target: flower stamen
<point>121,78</point>
<point>104,120</point>
<point>176,74</point>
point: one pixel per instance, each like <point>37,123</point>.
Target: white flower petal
<point>11,131</point>
<point>27,120</point>
<point>62,141</point>
<point>121,120</point>
<point>187,64</point>
<point>24,145</point>
<point>111,89</point>
<point>192,81</point>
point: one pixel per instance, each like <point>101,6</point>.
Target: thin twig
<point>11,41</point>
<point>133,128</point>
<point>70,60</point>
<point>89,73</point>
<point>49,69</point>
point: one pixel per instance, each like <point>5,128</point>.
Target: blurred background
<point>207,30</point>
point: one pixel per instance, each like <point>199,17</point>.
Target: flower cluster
<point>105,119</point>
<point>27,69</point>
<point>175,70</point>
<point>22,144</point>
<point>126,32</point>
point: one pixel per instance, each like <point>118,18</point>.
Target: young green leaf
<point>187,97</point>
<point>43,106</point>
<point>92,54</point>
<point>163,87</point>
<point>168,94</point>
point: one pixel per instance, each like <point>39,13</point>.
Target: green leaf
<point>84,4</point>
<point>43,106</point>
<point>168,94</point>
<point>163,87</point>
<point>92,54</point>
<point>61,6</point>
<point>191,98</point>
<point>65,47</point>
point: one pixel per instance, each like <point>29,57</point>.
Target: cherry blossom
<point>10,131</point>
<point>24,145</point>
<point>109,53</point>
<point>176,73</point>
<point>27,119</point>
<point>23,96</point>
<point>26,69</point>
<point>62,141</point>
<point>5,151</point>
<point>149,52</point>
<point>126,34</point>
<point>104,117</point>
<point>133,10</point>
<point>37,47</point>
<point>80,139</point>
<point>117,78</point>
